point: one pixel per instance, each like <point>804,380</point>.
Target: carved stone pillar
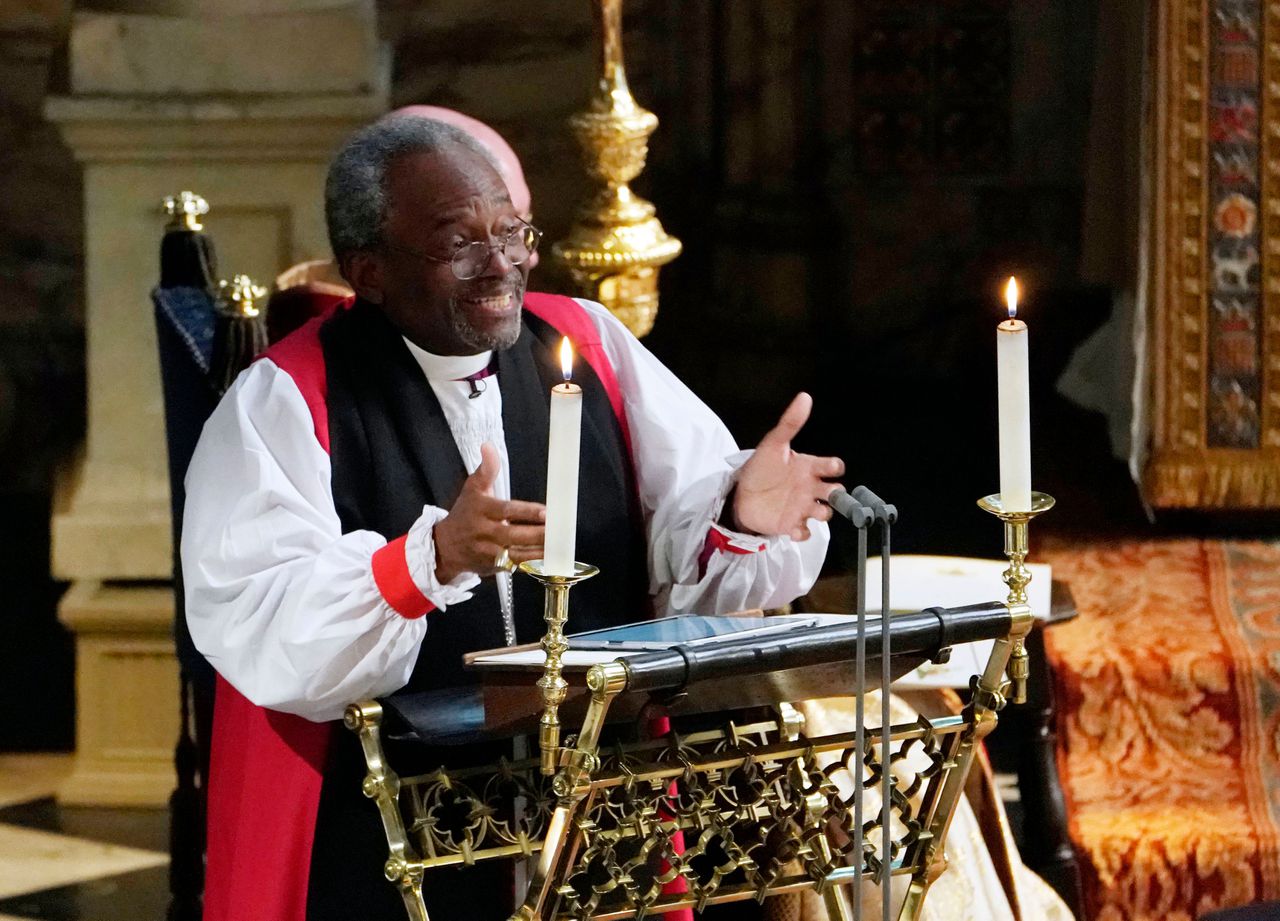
<point>237,108</point>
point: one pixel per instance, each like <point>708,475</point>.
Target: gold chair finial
<point>241,296</point>
<point>185,210</point>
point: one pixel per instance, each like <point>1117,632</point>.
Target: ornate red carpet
<point>1169,703</point>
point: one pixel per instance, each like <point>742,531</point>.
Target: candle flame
<point>1011,296</point>
<point>566,358</point>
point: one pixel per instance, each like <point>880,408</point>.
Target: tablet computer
<point>666,632</point>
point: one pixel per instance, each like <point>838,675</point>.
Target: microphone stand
<point>863,508</point>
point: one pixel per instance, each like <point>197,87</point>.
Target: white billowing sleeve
<point>686,463</point>
<point>281,602</point>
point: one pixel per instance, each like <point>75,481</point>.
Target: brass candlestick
<point>1017,576</point>
<point>555,612</point>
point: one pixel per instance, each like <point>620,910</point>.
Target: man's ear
<point>363,271</point>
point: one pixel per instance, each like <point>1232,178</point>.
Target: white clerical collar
<point>448,367</point>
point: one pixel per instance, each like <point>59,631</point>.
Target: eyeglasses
<point>471,259</point>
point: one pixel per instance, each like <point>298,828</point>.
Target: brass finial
<point>241,296</point>
<point>615,248</point>
<point>185,210</point>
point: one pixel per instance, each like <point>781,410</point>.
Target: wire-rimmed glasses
<point>471,259</point>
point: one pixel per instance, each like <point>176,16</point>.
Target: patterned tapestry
<point>1234,231</point>
<point>1168,690</point>
<point>1215,247</point>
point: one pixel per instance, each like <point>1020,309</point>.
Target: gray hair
<point>355,192</point>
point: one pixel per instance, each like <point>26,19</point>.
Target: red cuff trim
<point>391,575</point>
<point>718,541</point>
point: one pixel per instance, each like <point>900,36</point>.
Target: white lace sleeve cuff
<point>420,554</point>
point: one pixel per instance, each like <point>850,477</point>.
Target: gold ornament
<point>616,246</point>
<point>185,210</point>
<point>241,296</point>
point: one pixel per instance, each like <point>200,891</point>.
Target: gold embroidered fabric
<point>1168,693</point>
<point>1213,286</point>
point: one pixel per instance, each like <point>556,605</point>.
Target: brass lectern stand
<point>758,806</point>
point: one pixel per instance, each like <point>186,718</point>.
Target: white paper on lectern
<point>918,582</point>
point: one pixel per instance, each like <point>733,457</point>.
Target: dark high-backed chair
<point>202,347</point>
<point>185,316</point>
<point>206,332</point>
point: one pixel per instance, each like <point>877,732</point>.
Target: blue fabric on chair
<point>184,333</point>
<point>185,319</point>
<point>189,313</point>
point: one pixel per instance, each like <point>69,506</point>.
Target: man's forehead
<point>449,181</point>
<point>465,206</point>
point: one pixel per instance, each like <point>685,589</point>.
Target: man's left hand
<point>779,489</point>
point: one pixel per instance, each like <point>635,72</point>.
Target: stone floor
<point>61,863</point>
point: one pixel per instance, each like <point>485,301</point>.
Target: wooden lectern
<point>761,808</point>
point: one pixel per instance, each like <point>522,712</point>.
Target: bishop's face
<point>437,203</point>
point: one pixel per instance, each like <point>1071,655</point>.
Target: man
<point>356,497</point>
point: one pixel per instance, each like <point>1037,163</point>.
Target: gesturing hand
<point>479,526</point>
<point>778,489</point>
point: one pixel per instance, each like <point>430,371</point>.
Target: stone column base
<point>127,694</point>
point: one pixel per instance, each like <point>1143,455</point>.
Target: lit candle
<point>564,447</point>
<point>1014,393</point>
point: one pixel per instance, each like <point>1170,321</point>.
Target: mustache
<point>510,284</point>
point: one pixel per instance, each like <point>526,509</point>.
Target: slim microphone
<point>881,509</point>
<point>847,506</point>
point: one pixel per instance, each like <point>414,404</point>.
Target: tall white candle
<point>563,450</point>
<point>1014,392</point>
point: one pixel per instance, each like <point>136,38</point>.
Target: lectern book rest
<point>690,664</point>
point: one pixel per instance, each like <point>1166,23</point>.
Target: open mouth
<point>496,305</point>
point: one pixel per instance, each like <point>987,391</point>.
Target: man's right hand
<point>479,526</point>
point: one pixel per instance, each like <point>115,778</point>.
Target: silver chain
<point>509,610</point>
